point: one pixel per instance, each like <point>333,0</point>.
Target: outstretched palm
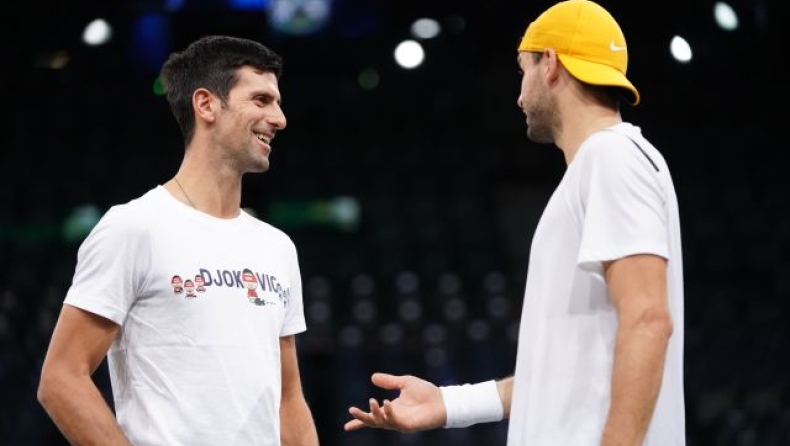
<point>419,406</point>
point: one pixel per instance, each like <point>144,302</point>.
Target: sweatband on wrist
<point>470,404</point>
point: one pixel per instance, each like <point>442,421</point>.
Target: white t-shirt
<point>615,199</point>
<point>202,303</point>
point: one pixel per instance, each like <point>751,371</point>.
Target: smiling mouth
<point>264,137</point>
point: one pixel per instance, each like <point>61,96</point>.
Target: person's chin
<point>259,166</point>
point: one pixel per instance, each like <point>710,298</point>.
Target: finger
<point>386,407</point>
<point>389,412</point>
<point>362,416</point>
<point>376,412</point>
<point>387,381</point>
<point>353,425</point>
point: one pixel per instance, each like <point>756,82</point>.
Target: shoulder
<point>622,145</point>
<point>607,143</point>
<point>263,229</point>
<point>131,217</point>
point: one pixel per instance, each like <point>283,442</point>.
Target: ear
<point>553,65</point>
<point>204,104</point>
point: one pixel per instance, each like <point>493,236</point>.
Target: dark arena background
<point>408,185</point>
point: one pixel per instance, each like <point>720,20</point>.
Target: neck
<point>207,188</point>
<point>579,122</point>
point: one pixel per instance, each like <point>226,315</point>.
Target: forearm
<point>637,371</point>
<point>297,427</point>
<point>78,409</point>
<point>505,388</point>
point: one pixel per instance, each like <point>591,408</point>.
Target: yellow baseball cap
<point>588,42</point>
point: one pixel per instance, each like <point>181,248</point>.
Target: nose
<point>277,119</point>
<point>520,102</point>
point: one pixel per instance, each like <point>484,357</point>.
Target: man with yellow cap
<point>600,351</point>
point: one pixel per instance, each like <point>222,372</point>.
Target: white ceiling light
<point>680,49</point>
<point>98,32</point>
<point>725,16</point>
<point>425,28</point>
<point>409,54</point>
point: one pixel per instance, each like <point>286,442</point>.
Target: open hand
<point>419,406</point>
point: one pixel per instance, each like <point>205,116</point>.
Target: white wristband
<point>471,404</point>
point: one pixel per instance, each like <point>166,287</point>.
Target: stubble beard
<point>545,122</point>
<point>258,166</point>
<point>255,161</point>
<point>247,160</point>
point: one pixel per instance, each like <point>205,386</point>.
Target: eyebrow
<point>267,95</point>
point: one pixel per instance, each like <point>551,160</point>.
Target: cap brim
<point>599,74</point>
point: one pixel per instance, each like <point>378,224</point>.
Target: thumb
<point>387,381</point>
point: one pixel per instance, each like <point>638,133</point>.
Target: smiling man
<point>203,367</point>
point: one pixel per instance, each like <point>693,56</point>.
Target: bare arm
<point>505,388</point>
<point>296,422</point>
<point>637,285</point>
<point>79,343</point>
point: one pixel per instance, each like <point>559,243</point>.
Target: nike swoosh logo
<point>614,47</point>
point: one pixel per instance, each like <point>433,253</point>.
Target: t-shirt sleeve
<point>294,311</point>
<point>624,205</point>
<point>111,266</point>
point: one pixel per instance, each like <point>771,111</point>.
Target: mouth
<point>266,139</point>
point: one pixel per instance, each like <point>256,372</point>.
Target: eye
<point>263,99</point>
